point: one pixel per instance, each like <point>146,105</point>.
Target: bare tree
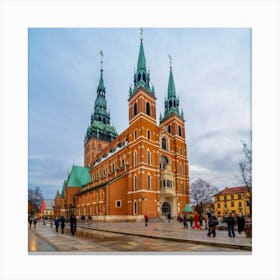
<point>245,168</point>
<point>202,193</point>
<point>35,199</point>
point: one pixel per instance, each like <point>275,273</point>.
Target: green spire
<point>141,65</point>
<point>171,85</point>
<point>101,87</point>
<point>141,76</point>
<point>171,103</point>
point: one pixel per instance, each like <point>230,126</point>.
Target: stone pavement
<point>173,231</point>
<point>160,231</point>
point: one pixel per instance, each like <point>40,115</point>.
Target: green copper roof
<point>101,86</point>
<point>79,176</point>
<point>171,85</point>
<point>141,65</point>
<point>187,209</point>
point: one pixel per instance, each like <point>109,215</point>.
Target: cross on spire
<point>141,33</point>
<point>101,55</point>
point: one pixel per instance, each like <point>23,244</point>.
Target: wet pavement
<point>134,237</point>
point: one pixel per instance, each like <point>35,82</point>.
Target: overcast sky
<point>212,73</point>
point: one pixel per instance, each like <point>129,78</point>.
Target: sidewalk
<point>172,231</point>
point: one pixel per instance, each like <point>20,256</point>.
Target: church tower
<point>100,132</point>
<point>143,182</point>
<point>174,171</point>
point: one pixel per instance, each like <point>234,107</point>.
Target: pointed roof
<point>141,65</point>
<point>79,176</point>
<point>101,86</point>
<point>188,209</point>
<point>171,85</point>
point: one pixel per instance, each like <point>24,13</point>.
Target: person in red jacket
<point>196,221</point>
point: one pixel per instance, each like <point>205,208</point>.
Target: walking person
<point>56,223</point>
<point>240,223</point>
<point>169,217</point>
<point>196,221</point>
<point>35,222</point>
<point>62,224</point>
<point>146,220</point>
<point>230,222</point>
<point>73,223</point>
<point>30,222</point>
<point>212,223</point>
<point>185,220</point>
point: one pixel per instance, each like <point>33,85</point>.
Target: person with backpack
<point>212,223</point>
<point>231,223</point>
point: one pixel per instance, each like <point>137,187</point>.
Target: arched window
<point>135,207</point>
<point>135,182</point>
<point>135,109</point>
<point>149,157</point>
<point>170,104</point>
<point>149,134</point>
<point>135,158</point>
<point>180,130</point>
<point>139,77</point>
<point>169,129</point>
<point>144,77</point>
<point>135,134</point>
<point>149,182</point>
<point>164,143</point>
<point>148,109</point>
<point>163,162</point>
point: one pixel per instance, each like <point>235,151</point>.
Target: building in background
<point>233,199</point>
<point>142,171</point>
<point>47,209</point>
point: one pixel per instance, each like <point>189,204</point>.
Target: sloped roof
<point>79,176</point>
<point>187,209</point>
<point>232,190</point>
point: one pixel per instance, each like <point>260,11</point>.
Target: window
<point>181,170</point>
<point>169,129</point>
<point>118,203</point>
<point>219,205</point>
<point>180,151</point>
<point>239,196</point>
<point>135,134</point>
<point>149,182</point>
<point>135,158</point>
<point>135,109</point>
<point>148,109</point>
<point>135,182</point>
<point>239,204</point>
<point>225,197</point>
<point>113,167</point>
<point>148,134</point>
<point>135,207</point>
<point>149,157</point>
<point>164,143</point>
<point>232,204</point>
<point>232,197</point>
<point>225,205</point>
<point>179,131</point>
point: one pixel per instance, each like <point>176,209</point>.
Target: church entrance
<point>165,208</point>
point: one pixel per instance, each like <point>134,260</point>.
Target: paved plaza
<point>134,237</point>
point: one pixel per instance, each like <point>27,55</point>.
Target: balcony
<point>167,191</point>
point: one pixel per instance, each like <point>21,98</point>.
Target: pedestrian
<point>196,221</point>
<point>30,222</point>
<point>240,223</point>
<point>62,224</point>
<point>56,223</point>
<point>169,217</point>
<point>146,220</point>
<point>230,222</point>
<point>212,223</point>
<point>35,222</point>
<point>185,221</point>
<point>73,223</point>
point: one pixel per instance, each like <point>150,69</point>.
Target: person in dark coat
<point>185,220</point>
<point>30,221</point>
<point>73,224</point>
<point>231,222</point>
<point>240,223</point>
<point>62,224</point>
<point>146,220</point>
<point>35,222</point>
<point>212,222</point>
<point>56,223</point>
<point>169,217</point>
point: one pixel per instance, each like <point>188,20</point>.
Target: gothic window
<point>149,182</point>
<point>135,134</point>
<point>149,134</point>
<point>139,77</point>
<point>135,109</point>
<point>180,130</point>
<point>163,162</point>
<point>164,143</point>
<point>144,77</point>
<point>174,103</point>
<point>149,157</point>
<point>170,104</point>
<point>135,158</point>
<point>169,129</point>
<point>148,109</point>
<point>135,182</point>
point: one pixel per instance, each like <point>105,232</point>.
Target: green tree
<point>35,199</point>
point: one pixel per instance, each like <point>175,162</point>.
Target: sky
<point>212,74</point>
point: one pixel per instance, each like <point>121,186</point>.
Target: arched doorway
<point>165,208</point>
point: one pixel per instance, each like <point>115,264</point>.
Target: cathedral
<point>141,171</point>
